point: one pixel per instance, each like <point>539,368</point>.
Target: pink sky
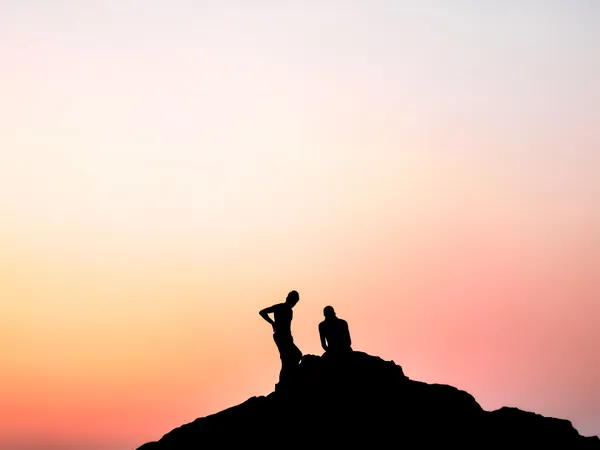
<point>166,171</point>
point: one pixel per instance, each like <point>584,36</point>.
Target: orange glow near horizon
<point>155,196</point>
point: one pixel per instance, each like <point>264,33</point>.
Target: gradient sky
<point>429,168</point>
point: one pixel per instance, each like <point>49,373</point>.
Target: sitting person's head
<point>329,312</point>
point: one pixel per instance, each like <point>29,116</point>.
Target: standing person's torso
<point>283,319</point>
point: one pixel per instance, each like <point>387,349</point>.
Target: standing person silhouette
<point>289,353</point>
<point>334,333</point>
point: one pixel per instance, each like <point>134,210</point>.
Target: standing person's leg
<point>290,360</point>
<point>286,369</point>
<point>290,356</point>
<point>282,347</point>
<point>296,353</point>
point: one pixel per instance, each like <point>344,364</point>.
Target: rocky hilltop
<point>364,400</point>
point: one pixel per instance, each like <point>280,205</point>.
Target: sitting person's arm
<point>322,336</point>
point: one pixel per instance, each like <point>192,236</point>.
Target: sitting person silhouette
<point>334,333</point>
<point>289,353</point>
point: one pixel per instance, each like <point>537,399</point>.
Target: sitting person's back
<point>334,333</point>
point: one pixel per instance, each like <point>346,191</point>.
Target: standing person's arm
<point>264,313</point>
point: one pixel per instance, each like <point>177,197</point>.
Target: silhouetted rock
<point>365,400</point>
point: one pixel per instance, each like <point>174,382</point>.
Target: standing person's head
<point>329,312</point>
<point>292,298</point>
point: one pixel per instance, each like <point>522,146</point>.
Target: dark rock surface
<point>367,401</point>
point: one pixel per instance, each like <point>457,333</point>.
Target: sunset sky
<point>168,168</point>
